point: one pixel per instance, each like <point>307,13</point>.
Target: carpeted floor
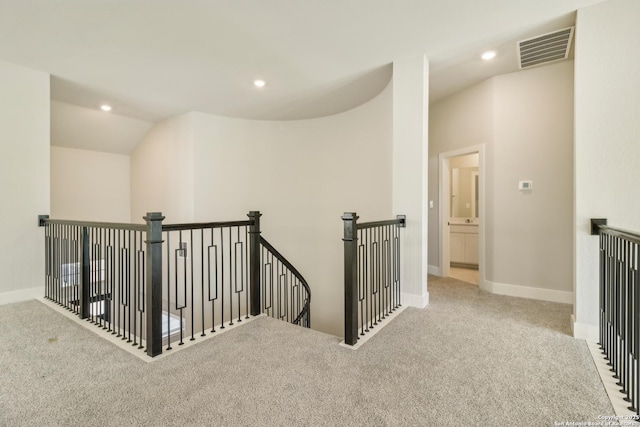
<point>469,359</point>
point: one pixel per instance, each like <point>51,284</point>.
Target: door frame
<point>444,211</point>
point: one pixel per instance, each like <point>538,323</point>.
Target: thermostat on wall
<point>525,185</point>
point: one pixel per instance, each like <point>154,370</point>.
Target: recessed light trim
<point>489,55</point>
<point>105,107</point>
<point>259,83</point>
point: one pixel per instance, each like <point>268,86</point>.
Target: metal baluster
<point>384,272</point>
<point>202,280</point>
<point>269,272</point>
<point>287,282</point>
<point>59,295</point>
<point>374,274</point>
<point>279,286</point>
<point>101,277</point>
<point>370,276</point>
<point>62,298</point>
<point>631,387</point>
<point>141,278</point>
<point>168,236</point>
<point>46,261</point>
<point>216,274</point>
<point>629,327</point>
<point>607,294</point>
<point>232,272</point>
<point>100,300</point>
<point>247,271</point>
<point>611,301</point>
<point>92,279</point>
<point>366,280</point>
<point>602,301</point>
<point>392,261</point>
<point>128,286</point>
<point>627,319</point>
<point>263,280</point>
<point>129,305</point>
<point>109,280</point>
<point>399,275</point>
<point>120,282</point>
<point>179,306</point>
<point>63,261</point>
<point>193,320</point>
<point>635,401</point>
<point>136,272</point>
<point>237,245</point>
<point>379,273</point>
<point>223,277</point>
<point>361,282</point>
<point>610,305</point>
<point>616,283</point>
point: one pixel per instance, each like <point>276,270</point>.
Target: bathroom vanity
<point>463,242</point>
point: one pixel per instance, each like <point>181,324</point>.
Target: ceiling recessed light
<point>105,107</point>
<point>488,55</point>
<point>259,83</point>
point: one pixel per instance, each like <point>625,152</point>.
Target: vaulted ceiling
<point>159,58</point>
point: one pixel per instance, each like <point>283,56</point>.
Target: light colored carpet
<point>468,359</point>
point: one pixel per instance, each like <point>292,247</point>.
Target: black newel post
<point>153,285</point>
<point>85,283</point>
<point>254,266</point>
<point>350,278</point>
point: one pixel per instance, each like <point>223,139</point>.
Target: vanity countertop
<point>463,227</point>
<point>464,221</point>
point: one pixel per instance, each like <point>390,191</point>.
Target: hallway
<point>468,275</point>
<point>470,358</point>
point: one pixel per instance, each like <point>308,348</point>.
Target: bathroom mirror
<point>464,186</point>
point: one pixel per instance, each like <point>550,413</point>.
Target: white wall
<point>607,132</point>
<point>461,120</point>
<point>90,185</point>
<point>162,172</point>
<point>92,129</point>
<point>525,120</point>
<point>24,180</point>
<point>410,154</point>
<point>530,232</point>
<point>302,175</point>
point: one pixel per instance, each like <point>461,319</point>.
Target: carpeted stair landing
<point>469,359</point>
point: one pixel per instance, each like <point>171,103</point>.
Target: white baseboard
<point>527,292</point>
<point>412,300</point>
<point>21,295</point>
<point>584,331</point>
<point>134,350</point>
<point>381,324</point>
<point>434,270</point>
<point>620,406</point>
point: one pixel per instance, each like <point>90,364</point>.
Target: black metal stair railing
<point>205,278</point>
<point>285,293</point>
<point>97,271</point>
<point>157,285</point>
<point>619,306</point>
<point>371,273</point>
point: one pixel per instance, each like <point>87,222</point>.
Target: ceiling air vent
<point>546,48</point>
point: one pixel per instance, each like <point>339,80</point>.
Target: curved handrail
<point>296,273</point>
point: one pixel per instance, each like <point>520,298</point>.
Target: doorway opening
<point>462,214</point>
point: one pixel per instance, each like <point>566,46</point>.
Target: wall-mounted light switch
<point>430,204</point>
<point>182,252</point>
<point>525,185</point>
